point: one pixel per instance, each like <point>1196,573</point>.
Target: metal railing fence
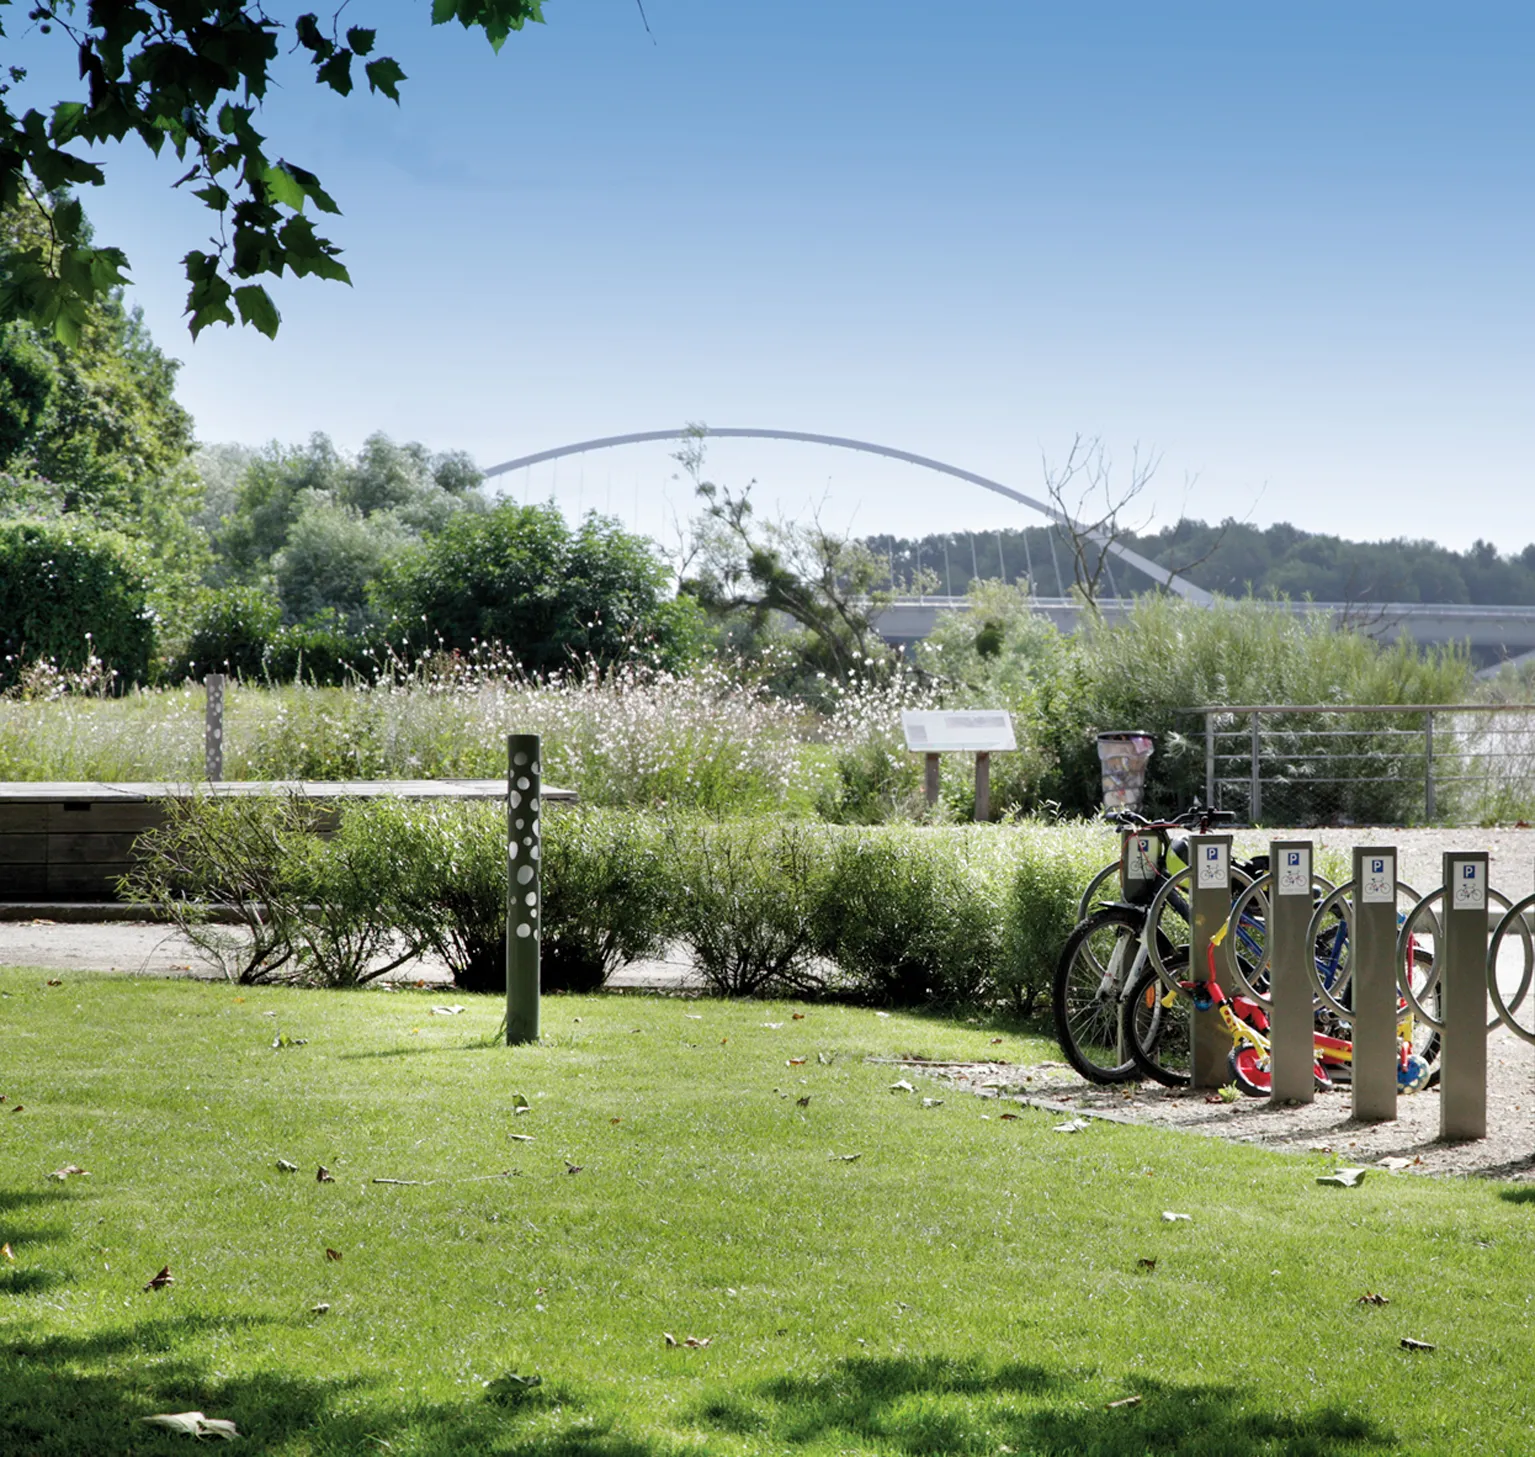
<point>1381,763</point>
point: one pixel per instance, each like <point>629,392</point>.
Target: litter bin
<point>1123,757</point>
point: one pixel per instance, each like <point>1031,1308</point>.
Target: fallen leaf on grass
<point>843,1158</point>
<point>55,981</point>
<point>902,1087</point>
<point>932,1102</point>
<point>323,1175</point>
<point>521,1137</point>
<point>284,1167</point>
<point>1072,1125</point>
<point>320,1309</point>
<point>1146,1262</point>
<point>802,1102</point>
<point>882,1014</point>
<point>1008,1117</point>
<point>1371,1298</point>
<point>334,1256</point>
<point>194,1424</point>
<point>452,1011</point>
<point>1344,1178</point>
<point>825,1058</point>
<point>615,1120</point>
<point>1394,1165</point>
<point>697,1343</point>
<point>1123,1401</point>
<point>7,1254</point>
<point>19,1108</point>
<point>161,1280</point>
<point>283,1040</point>
<point>68,1171</point>
<point>996,1041</point>
<point>772,1026</point>
<point>795,1062</point>
<point>799,1016</point>
<point>1170,1218</point>
<point>1408,1344</point>
<point>571,1168</point>
<point>669,1338</point>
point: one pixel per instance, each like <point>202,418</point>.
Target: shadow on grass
<point>63,1396</point>
<point>944,1405</point>
<point>1518,1193</point>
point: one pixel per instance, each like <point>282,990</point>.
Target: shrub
<point>1051,866</point>
<point>232,632</point>
<point>747,892</point>
<point>238,854</point>
<point>73,596</point>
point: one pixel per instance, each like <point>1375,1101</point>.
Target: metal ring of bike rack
<point>1518,912</point>
<point>1404,936</point>
<point>1339,897</point>
<point>1229,957</point>
<point>1178,880</point>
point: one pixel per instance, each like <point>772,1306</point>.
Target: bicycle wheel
<point>1102,888</point>
<point>1250,1071</point>
<point>1425,1040</point>
<point>1155,1025</point>
<point>1089,980</point>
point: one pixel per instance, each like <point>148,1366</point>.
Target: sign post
<point>1291,1049</point>
<point>1209,905</point>
<point>982,732</point>
<point>524,887</point>
<point>1463,998</point>
<point>1372,958</point>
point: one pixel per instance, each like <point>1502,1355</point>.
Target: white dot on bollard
<point>515,799</point>
<point>511,849</point>
<point>524,874</point>
<point>520,823</point>
<point>524,930</point>
<point>522,784</point>
<point>531,898</point>
<point>537,767</point>
<point>519,759</point>
<point>533,853</point>
<point>533,804</point>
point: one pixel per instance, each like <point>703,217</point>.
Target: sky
<point>1283,250</point>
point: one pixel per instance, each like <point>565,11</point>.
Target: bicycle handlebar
<point>1196,817</point>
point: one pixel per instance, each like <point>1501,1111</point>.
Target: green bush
<point>1051,866</point>
<point>232,632</point>
<point>72,596</point>
<point>912,916</point>
<point>747,892</point>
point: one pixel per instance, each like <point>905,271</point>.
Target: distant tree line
<point>1234,558</point>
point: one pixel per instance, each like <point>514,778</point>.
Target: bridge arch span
<point>1171,580</point>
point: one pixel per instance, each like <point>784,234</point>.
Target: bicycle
<point>1157,1018</point>
<point>1107,948</point>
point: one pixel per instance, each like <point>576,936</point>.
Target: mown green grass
<point>968,1284</point>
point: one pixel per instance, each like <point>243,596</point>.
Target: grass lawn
<point>966,1284</point>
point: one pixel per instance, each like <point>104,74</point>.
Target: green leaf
<point>385,75</point>
<point>337,73</point>
<point>361,40</point>
<point>283,187</point>
<point>311,185</point>
<point>256,308</point>
<point>67,116</point>
<point>307,28</point>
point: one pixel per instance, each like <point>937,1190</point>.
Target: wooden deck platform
<point>71,841</point>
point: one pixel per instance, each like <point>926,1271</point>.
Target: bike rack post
<point>1463,997</point>
<point>1142,858</point>
<point>524,887</point>
<point>1292,1016</point>
<point>1373,958</point>
<point>1209,905</point>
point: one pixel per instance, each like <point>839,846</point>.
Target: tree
<point>1090,502</point>
<point>521,577</point>
<point>192,75</point>
<point>832,586</point>
<point>95,429</point>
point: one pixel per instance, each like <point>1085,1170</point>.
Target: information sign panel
<point>1214,870</point>
<point>976,731</point>
<point>1379,882</point>
<point>1469,878</point>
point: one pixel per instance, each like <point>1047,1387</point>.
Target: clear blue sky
<point>1287,246</point>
